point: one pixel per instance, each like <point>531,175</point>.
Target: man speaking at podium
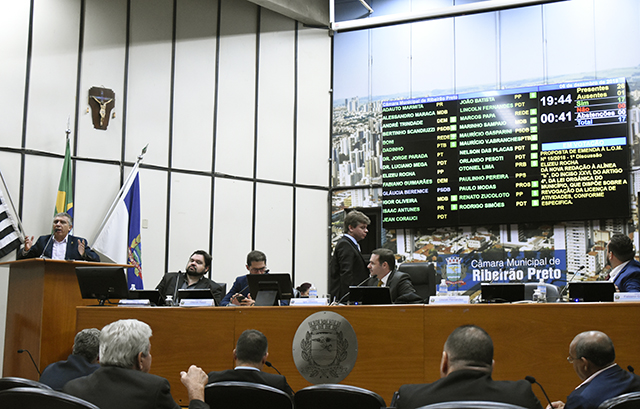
<point>60,245</point>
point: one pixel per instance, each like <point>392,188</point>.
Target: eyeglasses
<point>262,270</point>
<point>570,359</point>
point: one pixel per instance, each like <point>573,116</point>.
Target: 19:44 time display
<point>550,100</point>
<point>551,118</point>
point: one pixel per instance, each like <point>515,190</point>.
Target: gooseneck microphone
<point>34,362</point>
<point>570,281</point>
<point>349,292</point>
<point>267,363</point>
<point>532,380</point>
<point>45,249</point>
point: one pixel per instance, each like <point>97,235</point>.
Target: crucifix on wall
<point>101,101</point>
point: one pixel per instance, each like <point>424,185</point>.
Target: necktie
<point>379,283</point>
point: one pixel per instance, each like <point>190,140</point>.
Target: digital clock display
<point>548,153</point>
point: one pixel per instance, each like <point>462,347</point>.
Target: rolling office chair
<point>228,394</point>
<point>625,401</point>
<point>553,293</point>
<point>471,405</point>
<point>337,396</point>
<point>14,382</point>
<point>423,278</point>
<point>38,398</point>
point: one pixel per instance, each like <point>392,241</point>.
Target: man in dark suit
<point>465,375</point>
<point>250,355</point>
<point>198,265</point>
<point>59,246</point>
<point>382,266</point>
<point>625,271</point>
<point>593,358</point>
<point>83,360</point>
<point>123,380</point>
<point>347,266</point>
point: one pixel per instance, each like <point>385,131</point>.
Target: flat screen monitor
<point>591,291</point>
<point>369,295</point>
<point>197,294</point>
<point>267,289</point>
<point>502,292</point>
<point>102,283</point>
<point>152,295</point>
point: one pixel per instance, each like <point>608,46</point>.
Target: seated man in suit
<point>250,356</point>
<point>465,375</point>
<point>123,380</point>
<point>347,266</point>
<point>60,245</point>
<point>593,357</point>
<point>382,266</point>
<point>83,360</point>
<point>625,270</point>
<point>198,265</point>
<point>239,293</point>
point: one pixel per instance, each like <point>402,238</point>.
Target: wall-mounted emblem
<point>325,348</point>
<point>101,101</point>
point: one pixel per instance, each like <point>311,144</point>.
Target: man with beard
<point>625,270</point>
<point>199,264</point>
<point>59,246</point>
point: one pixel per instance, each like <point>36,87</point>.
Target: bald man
<point>593,358</point>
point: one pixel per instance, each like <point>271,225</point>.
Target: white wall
<point>238,135</point>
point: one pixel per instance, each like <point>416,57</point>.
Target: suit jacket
<point>111,387</point>
<point>347,268</point>
<point>241,285</point>
<point>59,373</point>
<point>608,384</point>
<point>249,375</point>
<point>465,385</point>
<point>628,279</point>
<point>38,249</point>
<point>402,291</point>
<point>168,286</point>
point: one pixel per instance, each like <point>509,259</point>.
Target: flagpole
<point>13,208</point>
<point>122,189</point>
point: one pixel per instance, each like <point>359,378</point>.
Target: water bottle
<point>169,301</point>
<point>443,289</point>
<point>313,292</point>
<point>542,290</point>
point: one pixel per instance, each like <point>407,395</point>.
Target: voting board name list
<point>545,153</point>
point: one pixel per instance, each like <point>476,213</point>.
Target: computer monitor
<point>591,291</point>
<point>502,292</point>
<point>102,283</point>
<point>267,289</point>
<point>369,295</point>
<point>152,295</point>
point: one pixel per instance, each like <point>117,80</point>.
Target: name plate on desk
<point>134,303</point>
<point>197,302</point>
<point>309,301</point>
<point>626,297</point>
<point>449,299</point>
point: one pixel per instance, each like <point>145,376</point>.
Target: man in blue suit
<point>625,271</point>
<point>60,245</point>
<point>239,293</point>
<point>593,358</point>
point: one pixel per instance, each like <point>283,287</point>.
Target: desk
<point>396,344</point>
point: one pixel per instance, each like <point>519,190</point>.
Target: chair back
<point>233,394</point>
<point>423,278</point>
<point>39,398</point>
<point>336,396</point>
<point>553,293</point>
<point>9,382</point>
<point>471,405</point>
<point>626,401</point>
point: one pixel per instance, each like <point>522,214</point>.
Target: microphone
<point>630,368</point>
<point>267,363</point>
<point>34,362</point>
<point>532,380</point>
<point>570,281</point>
<point>349,292</point>
<point>45,249</point>
<point>175,290</point>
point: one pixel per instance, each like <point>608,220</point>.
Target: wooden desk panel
<point>396,344</point>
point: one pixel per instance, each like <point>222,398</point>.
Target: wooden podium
<point>41,313</point>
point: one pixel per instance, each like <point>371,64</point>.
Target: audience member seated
<point>250,355</point>
<point>625,270</point>
<point>465,375</point>
<point>198,265</point>
<point>83,360</point>
<point>123,380</point>
<point>593,358</point>
<point>382,266</point>
<point>303,290</point>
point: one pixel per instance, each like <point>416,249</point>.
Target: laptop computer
<point>502,292</point>
<point>369,295</point>
<point>591,291</point>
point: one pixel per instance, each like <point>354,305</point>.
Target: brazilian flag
<point>64,201</point>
